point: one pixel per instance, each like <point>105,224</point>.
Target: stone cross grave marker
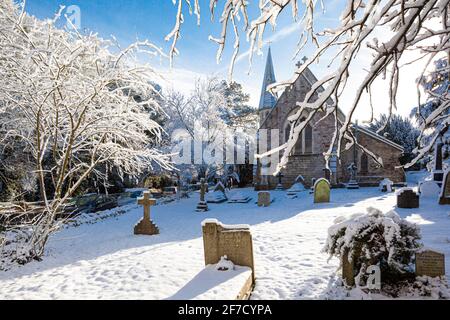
<point>321,191</point>
<point>444,197</point>
<point>145,225</point>
<point>202,205</point>
<point>430,263</point>
<point>263,199</point>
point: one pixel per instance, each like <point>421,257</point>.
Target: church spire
<point>267,100</point>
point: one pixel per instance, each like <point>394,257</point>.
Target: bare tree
<point>68,100</point>
<point>408,25</point>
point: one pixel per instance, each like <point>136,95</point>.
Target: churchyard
<point>146,169</point>
<point>105,260</point>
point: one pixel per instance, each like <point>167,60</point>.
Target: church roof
<point>267,100</point>
<point>378,137</point>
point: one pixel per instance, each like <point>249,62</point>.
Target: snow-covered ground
<point>106,261</point>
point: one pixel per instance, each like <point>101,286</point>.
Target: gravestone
<point>145,225</point>
<point>263,199</point>
<point>235,242</point>
<point>348,270</point>
<point>386,185</point>
<point>352,184</point>
<point>327,174</point>
<point>444,197</point>
<point>321,191</point>
<point>202,206</point>
<point>437,172</point>
<point>430,263</point>
<point>407,199</point>
<point>280,184</point>
<point>429,189</point>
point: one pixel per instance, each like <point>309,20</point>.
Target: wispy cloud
<point>277,36</point>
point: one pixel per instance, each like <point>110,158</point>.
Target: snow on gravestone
<point>321,191</point>
<point>407,198</point>
<point>430,263</point>
<point>429,189</point>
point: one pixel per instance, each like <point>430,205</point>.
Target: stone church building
<point>307,159</point>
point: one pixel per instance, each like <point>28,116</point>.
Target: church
<point>307,160</point>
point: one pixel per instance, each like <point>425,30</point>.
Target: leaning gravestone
<point>263,199</point>
<point>407,199</point>
<point>321,191</point>
<point>430,263</point>
<point>348,270</point>
<point>444,197</point>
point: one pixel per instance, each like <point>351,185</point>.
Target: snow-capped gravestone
<point>430,263</point>
<point>233,241</point>
<point>146,226</point>
<point>444,197</point>
<point>429,189</point>
<point>322,191</point>
<point>228,249</point>
<point>263,199</point>
<point>386,185</point>
<point>407,198</point>
<point>202,206</point>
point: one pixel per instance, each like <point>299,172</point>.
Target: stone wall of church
<point>312,165</point>
<point>375,173</point>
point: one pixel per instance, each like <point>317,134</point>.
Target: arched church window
<point>299,145</point>
<point>364,163</point>
<point>308,139</point>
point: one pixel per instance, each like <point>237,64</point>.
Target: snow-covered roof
<point>379,137</point>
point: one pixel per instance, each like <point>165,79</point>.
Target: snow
<point>212,284</point>
<point>105,260</point>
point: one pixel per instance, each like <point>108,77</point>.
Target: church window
<point>308,139</point>
<point>364,163</point>
<point>304,141</point>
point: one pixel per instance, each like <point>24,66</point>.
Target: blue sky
<point>129,20</point>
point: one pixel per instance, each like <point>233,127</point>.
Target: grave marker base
<point>146,227</point>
